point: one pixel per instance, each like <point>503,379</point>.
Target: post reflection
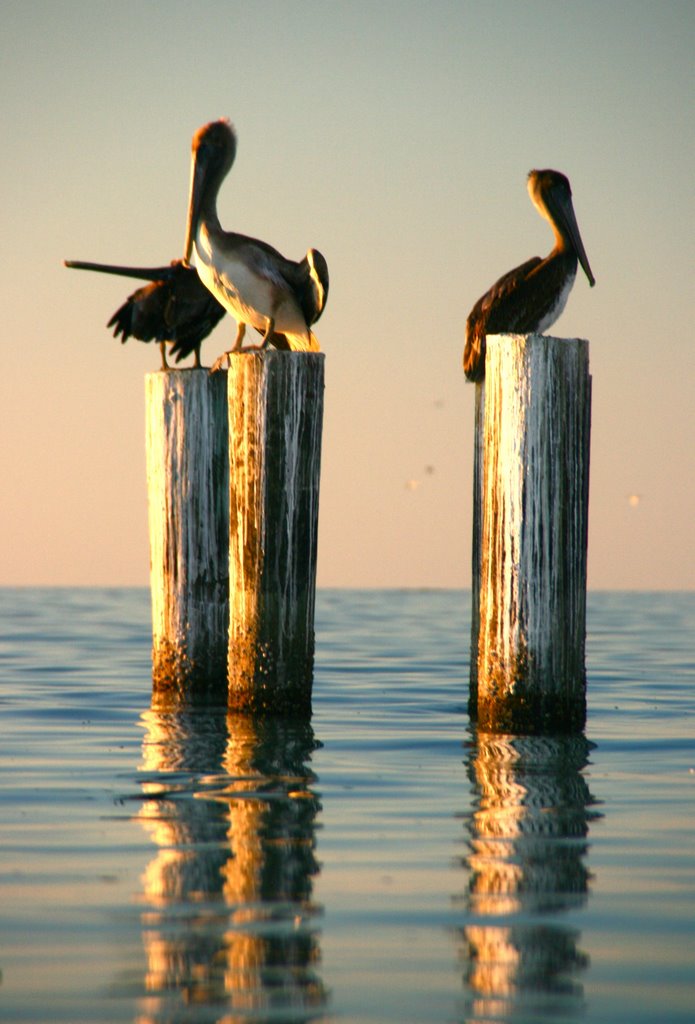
<point>229,926</point>
<point>527,846</point>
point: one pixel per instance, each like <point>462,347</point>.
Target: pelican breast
<point>556,304</point>
<point>247,281</point>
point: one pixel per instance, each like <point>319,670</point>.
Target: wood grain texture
<point>275,426</point>
<point>533,541</point>
<point>187,482</point>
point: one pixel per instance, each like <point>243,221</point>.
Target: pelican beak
<point>142,273</point>
<point>566,212</point>
<point>194,196</point>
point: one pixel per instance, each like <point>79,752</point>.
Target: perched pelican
<point>531,298</point>
<point>175,308</point>
<point>253,281</point>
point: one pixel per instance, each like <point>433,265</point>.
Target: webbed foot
<point>220,361</point>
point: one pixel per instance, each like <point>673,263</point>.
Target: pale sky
<point>396,138</point>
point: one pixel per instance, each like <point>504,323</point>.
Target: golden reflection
<point>268,882</point>
<point>229,924</point>
<point>527,847</point>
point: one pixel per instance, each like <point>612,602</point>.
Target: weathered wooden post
<point>478,433</point>
<point>529,651</point>
<point>275,424</point>
<point>187,480</point>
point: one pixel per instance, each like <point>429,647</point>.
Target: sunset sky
<point>395,137</point>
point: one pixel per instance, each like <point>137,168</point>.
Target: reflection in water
<point>229,930</point>
<point>527,847</point>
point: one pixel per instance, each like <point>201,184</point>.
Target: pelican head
<point>318,284</point>
<point>551,194</point>
<point>212,154</point>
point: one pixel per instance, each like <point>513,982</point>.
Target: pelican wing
<point>306,279</point>
<point>495,312</point>
<point>142,314</point>
<point>267,262</point>
<point>498,308</point>
<point>191,312</point>
<point>179,310</point>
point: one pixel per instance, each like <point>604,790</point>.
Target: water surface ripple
<point>380,863</point>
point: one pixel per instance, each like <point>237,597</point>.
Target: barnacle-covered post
<point>187,481</point>
<point>529,652</point>
<point>275,404</point>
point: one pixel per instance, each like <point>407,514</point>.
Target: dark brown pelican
<point>175,308</point>
<point>253,281</point>
<point>531,297</point>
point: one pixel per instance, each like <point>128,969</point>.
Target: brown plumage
<point>174,309</point>
<point>258,286</point>
<point>530,298</point>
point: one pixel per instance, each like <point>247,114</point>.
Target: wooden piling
<point>476,554</point>
<point>529,651</point>
<point>275,422</point>
<point>187,480</point>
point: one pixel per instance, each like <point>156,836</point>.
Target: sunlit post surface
<point>187,481</point>
<point>479,435</point>
<point>275,425</point>
<point>529,651</point>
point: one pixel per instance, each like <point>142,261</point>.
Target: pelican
<point>175,308</point>
<point>530,298</point>
<point>253,281</point>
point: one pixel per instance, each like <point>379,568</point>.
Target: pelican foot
<point>220,362</point>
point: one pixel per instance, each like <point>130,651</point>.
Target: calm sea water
<point>382,863</point>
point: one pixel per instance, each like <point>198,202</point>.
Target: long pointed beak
<point>567,215</point>
<point>194,195</point>
<point>142,273</point>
